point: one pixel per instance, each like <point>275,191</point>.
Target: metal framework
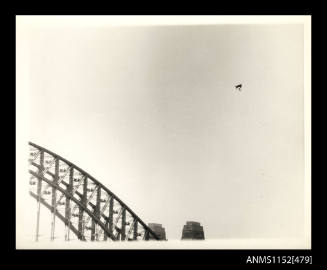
<point>87,208</point>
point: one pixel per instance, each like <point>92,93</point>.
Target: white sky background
<point>152,113</point>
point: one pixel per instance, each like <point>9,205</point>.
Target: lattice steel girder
<point>83,200</point>
<point>77,202</point>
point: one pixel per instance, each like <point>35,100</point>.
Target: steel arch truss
<point>88,208</point>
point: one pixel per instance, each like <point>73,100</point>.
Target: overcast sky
<point>153,114</point>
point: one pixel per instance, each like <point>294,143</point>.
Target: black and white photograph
<point>163,132</point>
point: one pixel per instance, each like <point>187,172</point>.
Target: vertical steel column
<point>39,187</point>
<point>67,210</point>
<point>146,235</point>
<point>93,226</point>
<point>97,211</point>
<point>135,234</point>
<point>81,212</point>
<point>71,184</point>
<point>105,236</point>
<point>93,230</point>
<point>111,215</point>
<point>54,199</point>
<point>123,224</point>
<point>109,221</point>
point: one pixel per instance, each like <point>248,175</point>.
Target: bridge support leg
<point>109,219</point>
<point>71,178</point>
<point>37,219</point>
<point>39,186</point>
<point>53,224</point>
<point>68,209</point>
<point>93,230</point>
<point>97,212</point>
<point>135,230</point>
<point>146,235</point>
<point>123,225</point>
<point>111,212</point>
<point>54,200</point>
<point>81,225</point>
<point>105,237</point>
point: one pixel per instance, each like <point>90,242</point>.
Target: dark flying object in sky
<point>239,86</point>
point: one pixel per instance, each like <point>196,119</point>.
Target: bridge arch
<point>87,208</point>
